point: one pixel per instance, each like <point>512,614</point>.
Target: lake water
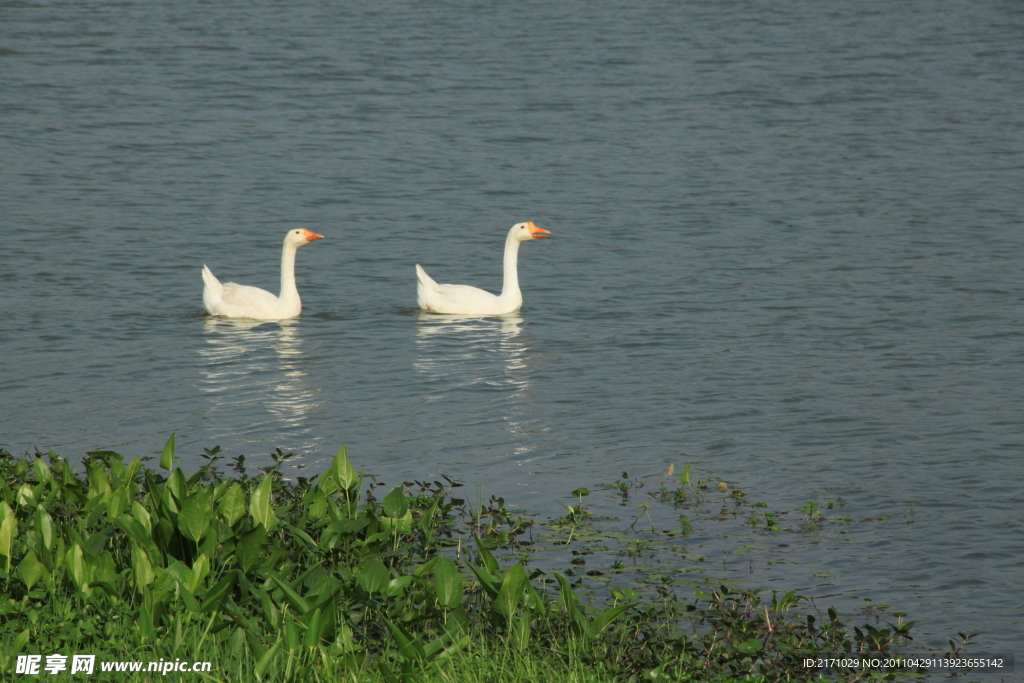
<point>787,249</point>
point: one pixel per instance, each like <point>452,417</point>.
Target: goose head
<point>300,236</point>
<point>528,231</point>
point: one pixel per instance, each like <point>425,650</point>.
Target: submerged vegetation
<point>334,578</point>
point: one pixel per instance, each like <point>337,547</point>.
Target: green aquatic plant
<point>812,515</point>
<point>625,484</point>
<point>578,514</point>
<point>644,510</point>
<point>324,579</point>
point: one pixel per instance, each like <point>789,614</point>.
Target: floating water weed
<point>644,510</point>
<point>812,514</point>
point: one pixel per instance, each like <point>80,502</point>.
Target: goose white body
<point>242,301</point>
<point>467,300</point>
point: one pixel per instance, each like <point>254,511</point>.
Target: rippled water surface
<point>787,248</point>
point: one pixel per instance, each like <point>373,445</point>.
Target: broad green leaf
<point>386,674</point>
<point>431,649</point>
<point>298,603</point>
<point>328,606</point>
<point>215,598</point>
<point>401,525</point>
<point>58,553</point>
<point>252,637</point>
<point>135,531</point>
<point>167,457</point>
<point>408,645</point>
<point>177,487</point>
<point>145,624</point>
<point>583,625</point>
<point>327,484</point>
<point>373,576</point>
<point>44,527</point>
<point>117,503</point>
<point>291,635</point>
<point>99,482</point>
<point>26,495</point>
<point>259,505</point>
<point>684,476</point>
<point>104,569</point>
<point>344,473</point>
<point>373,538</point>
<point>750,646</point>
<point>247,552</point>
<point>61,469</point>
<point>521,631</point>
<point>457,622</point>
<point>30,569</point>
<point>42,470</point>
<point>270,611</point>
<point>142,568</point>
<point>107,587</point>
<point>397,586</point>
<point>267,659</point>
<point>581,492</point>
<point>154,488</point>
<point>489,583</point>
<point>459,644</point>
<point>568,597</point>
<point>318,504</point>
<point>535,601</point>
<point>200,568</point>
<point>129,477</point>
<point>511,592</point>
<point>8,528</point>
<point>608,616</point>
<point>395,504</point>
<point>427,566</point>
<point>302,535</point>
<point>194,518</point>
<point>75,563</point>
<point>313,627</point>
<point>485,556</point>
<point>20,642</point>
<point>141,515</point>
<point>176,572</point>
<point>427,522</point>
<point>191,604</point>
<point>447,583</point>
<point>232,504</point>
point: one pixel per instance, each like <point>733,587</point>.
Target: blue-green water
<point>788,247</point>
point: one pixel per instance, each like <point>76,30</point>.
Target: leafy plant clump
<point>321,580</point>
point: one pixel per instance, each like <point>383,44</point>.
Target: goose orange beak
<point>537,231</point>
<point>310,236</point>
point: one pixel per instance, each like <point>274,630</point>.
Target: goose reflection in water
<point>479,365</point>
<point>461,348</point>
<point>252,372</point>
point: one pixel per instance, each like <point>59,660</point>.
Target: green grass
<point>323,579</point>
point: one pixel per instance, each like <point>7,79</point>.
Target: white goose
<point>466,300</point>
<point>242,301</point>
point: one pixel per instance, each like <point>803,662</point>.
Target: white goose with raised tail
<point>466,300</point>
<point>241,301</point>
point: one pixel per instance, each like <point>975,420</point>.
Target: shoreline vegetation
<point>335,579</point>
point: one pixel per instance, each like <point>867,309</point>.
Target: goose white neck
<point>289,292</point>
<point>510,287</point>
